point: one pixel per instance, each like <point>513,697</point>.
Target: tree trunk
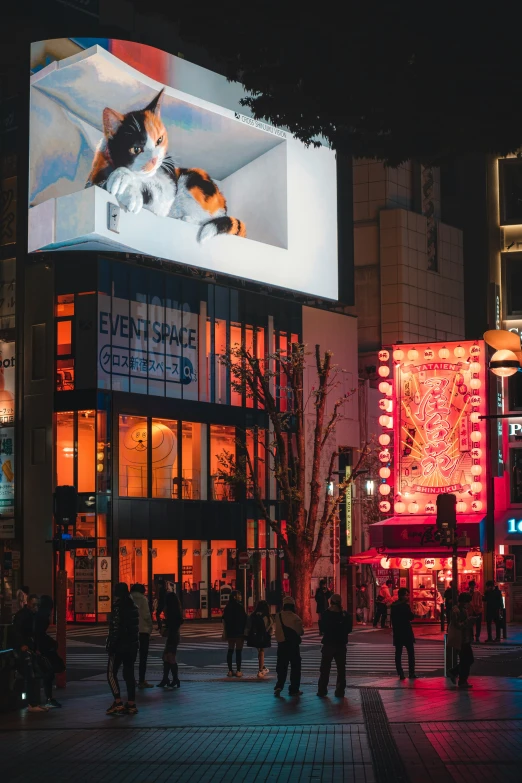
<point>300,572</point>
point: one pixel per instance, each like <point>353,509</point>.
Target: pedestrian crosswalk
<point>361,659</point>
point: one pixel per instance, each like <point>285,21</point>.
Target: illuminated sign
<point>134,150</point>
<point>439,440</point>
<point>514,525</point>
<point>348,506</point>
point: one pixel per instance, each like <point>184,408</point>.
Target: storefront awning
<point>374,556</point>
<point>415,533</point>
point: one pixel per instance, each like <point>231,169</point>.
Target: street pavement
<point>215,729</point>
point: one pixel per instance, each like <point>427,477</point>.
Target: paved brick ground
<point>237,731</point>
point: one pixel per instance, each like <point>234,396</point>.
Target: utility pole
<point>447,535</point>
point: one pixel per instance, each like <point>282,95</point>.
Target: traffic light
<point>65,507</point>
<point>446,518</point>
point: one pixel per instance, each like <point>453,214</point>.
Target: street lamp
<point>507,358</point>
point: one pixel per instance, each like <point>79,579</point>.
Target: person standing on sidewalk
<point>138,596</point>
<point>170,631</point>
<point>122,646</point>
<point>334,626</point>
<point>322,594</point>
<point>460,636</point>
<point>234,626</point>
<point>363,603</point>
<point>476,608</point>
<point>24,630</point>
<point>494,606</point>
<point>448,602</point>
<point>47,647</point>
<point>384,599</point>
<point>259,634</point>
<point>288,632</point>
<point>401,617</point>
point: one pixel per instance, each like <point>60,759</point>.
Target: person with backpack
<point>170,631</point>
<point>259,631</point>
<point>288,632</point>
<point>234,623</point>
<point>137,594</point>
<point>122,646</point>
<point>334,626</point>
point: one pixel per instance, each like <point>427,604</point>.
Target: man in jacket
<point>145,628</point>
<point>334,626</point>
<point>494,606</point>
<point>401,617</point>
<point>322,594</point>
<point>288,631</point>
<point>122,646</point>
<point>384,599</point>
<point>476,608</point>
<point>25,632</point>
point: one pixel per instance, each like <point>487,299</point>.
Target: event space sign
<point>134,150</point>
<point>440,441</point>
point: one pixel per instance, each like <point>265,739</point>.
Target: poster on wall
<point>104,597</point>
<point>7,467</point>
<point>505,568</point>
<point>84,598</point>
<point>83,568</point>
<point>440,439</point>
<point>104,569</point>
<point>7,383</point>
<point>134,150</point>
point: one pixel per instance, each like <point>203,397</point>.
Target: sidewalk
<point>385,731</point>
<point>432,632</point>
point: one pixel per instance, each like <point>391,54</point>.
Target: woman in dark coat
<point>234,623</point>
<point>173,622</point>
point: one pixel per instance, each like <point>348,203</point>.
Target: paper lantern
<point>413,354</point>
<point>384,489</point>
<point>475,383</point>
<point>386,421</point>
<point>429,353</point>
<point>398,355</point>
<point>504,363</point>
<point>444,353</point>
<point>474,417</point>
<point>459,352</point>
<point>406,562</point>
<point>399,507</point>
<point>429,562</point>
<point>476,505</point>
<point>475,436</point>
<point>384,356</point>
<point>384,371</point>
<point>476,487</point>
<point>476,561</point>
<point>474,350</point>
<point>474,367</point>
<point>386,405</point>
<point>461,507</point>
<point>385,563</point>
<point>384,506</point>
<point>476,453</point>
<point>385,387</point>
<point>476,470</point>
<point>475,399</point>
<point>384,473</point>
<point>430,508</point>
<point>384,439</point>
<point>413,507</point>
<point>384,455</point>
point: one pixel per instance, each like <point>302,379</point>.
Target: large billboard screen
<point>135,150</point>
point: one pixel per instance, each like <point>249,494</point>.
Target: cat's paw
<point>123,185</point>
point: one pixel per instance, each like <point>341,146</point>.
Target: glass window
<point>510,191</point>
<point>103,454</point>
<point>133,561</point>
<point>192,460</point>
<point>514,284</point>
<point>64,305</point>
<point>63,338</point>
<point>255,439</point>
<point>222,448</point>
<point>165,563</point>
<point>515,456</point>
<point>133,450</point>
<point>86,451</point>
<point>65,448</point>
<point>164,448</point>
<point>235,343</point>
<point>222,574</point>
<point>86,525</point>
<point>220,371</point>
<point>194,579</point>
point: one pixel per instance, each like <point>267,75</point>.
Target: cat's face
<point>138,140</point>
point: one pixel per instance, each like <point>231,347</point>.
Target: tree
<point>386,80</point>
<point>310,511</point>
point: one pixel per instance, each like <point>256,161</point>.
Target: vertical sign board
<point>348,507</point>
<point>440,440</point>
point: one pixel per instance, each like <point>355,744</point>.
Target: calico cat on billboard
<point>135,150</point>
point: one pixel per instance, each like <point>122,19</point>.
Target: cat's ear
<point>155,104</point>
<point>111,121</point>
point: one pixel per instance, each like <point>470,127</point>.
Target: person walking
<point>259,632</point>
<point>137,593</point>
<point>460,636</point>
<point>170,631</point>
<point>494,606</point>
<point>334,626</point>
<point>384,599</point>
<point>322,595</point>
<point>363,603</point>
<point>24,632</point>
<point>403,636</point>
<point>234,624</point>
<point>47,648</point>
<point>122,646</point>
<point>476,608</point>
<point>288,630</point>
